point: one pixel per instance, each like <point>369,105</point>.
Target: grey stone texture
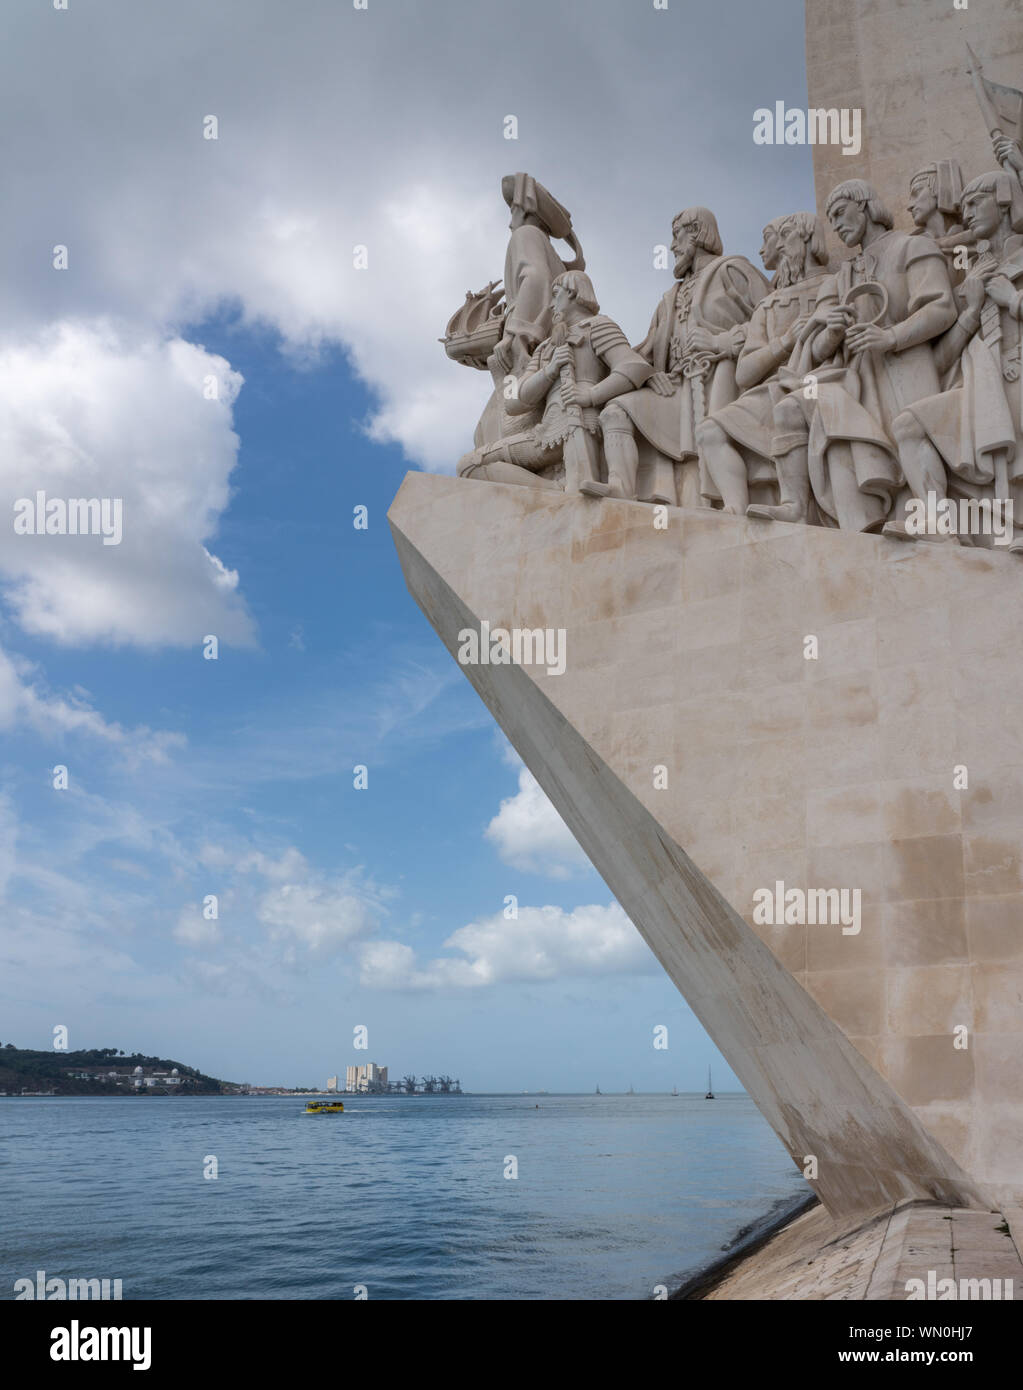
<point>812,1259</point>
<point>686,651</point>
<point>768,690</point>
<point>903,63</point>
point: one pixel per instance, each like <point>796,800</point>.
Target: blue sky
<point>233,258</point>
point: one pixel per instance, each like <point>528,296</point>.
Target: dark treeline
<point>26,1069</point>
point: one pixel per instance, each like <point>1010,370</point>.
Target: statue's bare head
<point>573,287</point>
<point>801,247</point>
<point>694,229</point>
<point>923,195</point>
<point>853,208</point>
<point>936,188</point>
<point>993,203</point>
<point>770,251</point>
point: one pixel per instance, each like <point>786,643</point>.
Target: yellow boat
<point>324,1107</point>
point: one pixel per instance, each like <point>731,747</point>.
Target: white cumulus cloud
<point>542,943</point>
<point>531,836</point>
<point>313,919</point>
<point>95,410</point>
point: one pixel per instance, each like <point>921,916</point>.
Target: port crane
<point>425,1086</point>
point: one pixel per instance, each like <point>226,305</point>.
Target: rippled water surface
<point>614,1194</point>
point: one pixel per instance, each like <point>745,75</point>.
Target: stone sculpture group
<point>829,396</point>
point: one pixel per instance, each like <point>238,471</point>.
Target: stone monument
<point>786,738</point>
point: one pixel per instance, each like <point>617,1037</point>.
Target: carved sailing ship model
<point>474,329</point>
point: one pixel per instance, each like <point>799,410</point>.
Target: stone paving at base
<point>812,1258</point>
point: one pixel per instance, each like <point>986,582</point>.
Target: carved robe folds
<point>531,265</point>
<point>859,397</point>
<point>720,298</point>
<point>975,425</point>
<point>749,420</point>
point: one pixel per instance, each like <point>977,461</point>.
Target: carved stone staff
<point>1001,106</point>
<point>694,368</point>
<point>568,381</point>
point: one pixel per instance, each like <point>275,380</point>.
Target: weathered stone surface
<point>904,65</point>
<point>813,1259</point>
<point>685,650</point>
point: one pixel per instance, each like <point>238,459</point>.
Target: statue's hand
<point>870,337</point>
<point>562,358</point>
<point>661,383</point>
<point>701,340</point>
<point>975,290</point>
<point>502,355</point>
<point>1000,289</point>
<point>579,393</point>
<point>838,319</point>
<point>790,337</point>
<point>1008,152</point>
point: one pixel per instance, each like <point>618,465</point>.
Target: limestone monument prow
<point>782,535</point>
<point>872,1126</point>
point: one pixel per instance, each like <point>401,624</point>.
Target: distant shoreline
<point>749,1240</point>
<point>264,1094</point>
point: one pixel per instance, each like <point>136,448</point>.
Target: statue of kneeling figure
<point>586,362</point>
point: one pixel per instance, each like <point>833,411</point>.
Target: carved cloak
<point>725,293</point>
<point>859,397</point>
<point>981,415</point>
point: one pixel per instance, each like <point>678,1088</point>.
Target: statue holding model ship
<point>838,398</point>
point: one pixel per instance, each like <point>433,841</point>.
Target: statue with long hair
<point>695,337</point>
<point>736,441</point>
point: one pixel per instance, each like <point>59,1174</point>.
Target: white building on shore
<point>364,1079</point>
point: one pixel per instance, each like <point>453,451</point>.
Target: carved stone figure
<point>829,398</point>
<point>735,442</point>
<point>497,336</point>
<point>865,373</point>
<point>974,429</point>
<point>531,266</point>
<point>695,337</point>
<point>584,363</point>
<point>935,192</point>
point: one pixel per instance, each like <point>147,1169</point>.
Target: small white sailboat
<point>674,1090</point>
<point>710,1089</point>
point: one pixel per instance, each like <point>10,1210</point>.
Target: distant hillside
<point>101,1071</point>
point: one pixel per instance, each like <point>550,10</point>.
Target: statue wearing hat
<point>531,265</point>
<point>498,338</point>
